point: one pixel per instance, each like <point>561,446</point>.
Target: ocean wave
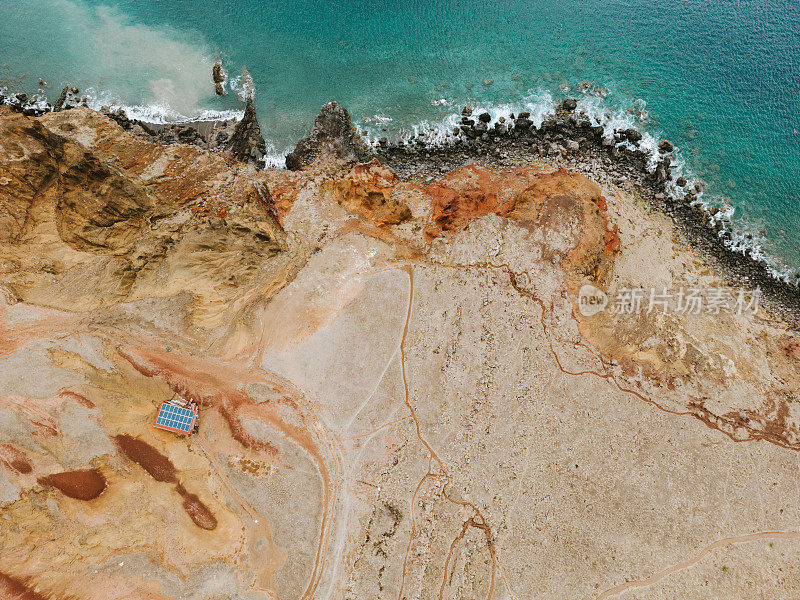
<point>159,113</point>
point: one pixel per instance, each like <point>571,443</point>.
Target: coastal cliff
<point>403,390</point>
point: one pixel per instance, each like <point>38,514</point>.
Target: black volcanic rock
<point>665,146</point>
<point>523,123</point>
<point>570,104</point>
<point>633,135</point>
<point>246,143</point>
<point>333,137</point>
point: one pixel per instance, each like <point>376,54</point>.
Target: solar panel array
<point>175,417</point>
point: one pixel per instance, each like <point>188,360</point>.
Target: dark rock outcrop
<point>218,75</point>
<point>67,99</point>
<point>633,135</point>
<point>665,146</point>
<point>246,143</point>
<point>333,138</point>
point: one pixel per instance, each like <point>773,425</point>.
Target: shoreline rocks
<point>575,143</point>
<point>567,137</point>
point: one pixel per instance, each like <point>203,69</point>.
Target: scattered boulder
<point>466,111</point>
<point>665,146</point>
<point>522,123</point>
<point>681,182</point>
<point>485,117</point>
<point>246,143</point>
<point>570,104</point>
<point>333,137</point>
<point>633,135</point>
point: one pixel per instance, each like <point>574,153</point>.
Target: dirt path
<point>685,564</point>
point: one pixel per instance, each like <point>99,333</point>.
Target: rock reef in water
<point>399,392</point>
<point>333,138</point>
<point>218,77</point>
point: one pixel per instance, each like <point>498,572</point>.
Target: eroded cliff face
<point>96,218</point>
<point>399,396</point>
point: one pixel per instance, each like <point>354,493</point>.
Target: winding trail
<point>477,520</point>
<point>692,560</point>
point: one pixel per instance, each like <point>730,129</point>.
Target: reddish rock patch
<point>197,511</point>
<point>12,588</point>
<point>570,207</point>
<point>282,188</point>
<point>77,398</point>
<point>85,484</point>
<point>367,190</point>
<point>15,458</point>
<point>471,192</point>
<point>151,460</point>
<point>463,195</point>
<point>229,410</point>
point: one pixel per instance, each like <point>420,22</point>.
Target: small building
<point>178,416</point>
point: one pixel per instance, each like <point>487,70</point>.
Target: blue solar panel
<point>175,417</point>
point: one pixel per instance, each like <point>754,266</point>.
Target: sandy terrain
<point>400,396</point>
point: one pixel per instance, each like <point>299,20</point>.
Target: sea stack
<point>67,99</point>
<point>218,75</point>
<point>246,143</point>
<point>332,138</point>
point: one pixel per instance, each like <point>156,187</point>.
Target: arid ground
<point>399,397</point>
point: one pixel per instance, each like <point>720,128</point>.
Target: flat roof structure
<point>177,419</point>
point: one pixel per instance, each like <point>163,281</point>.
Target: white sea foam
<point>156,112</point>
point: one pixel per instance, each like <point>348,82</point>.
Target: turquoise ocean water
<point>719,78</point>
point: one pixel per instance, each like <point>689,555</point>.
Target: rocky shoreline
<point>567,138</point>
<point>241,138</point>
